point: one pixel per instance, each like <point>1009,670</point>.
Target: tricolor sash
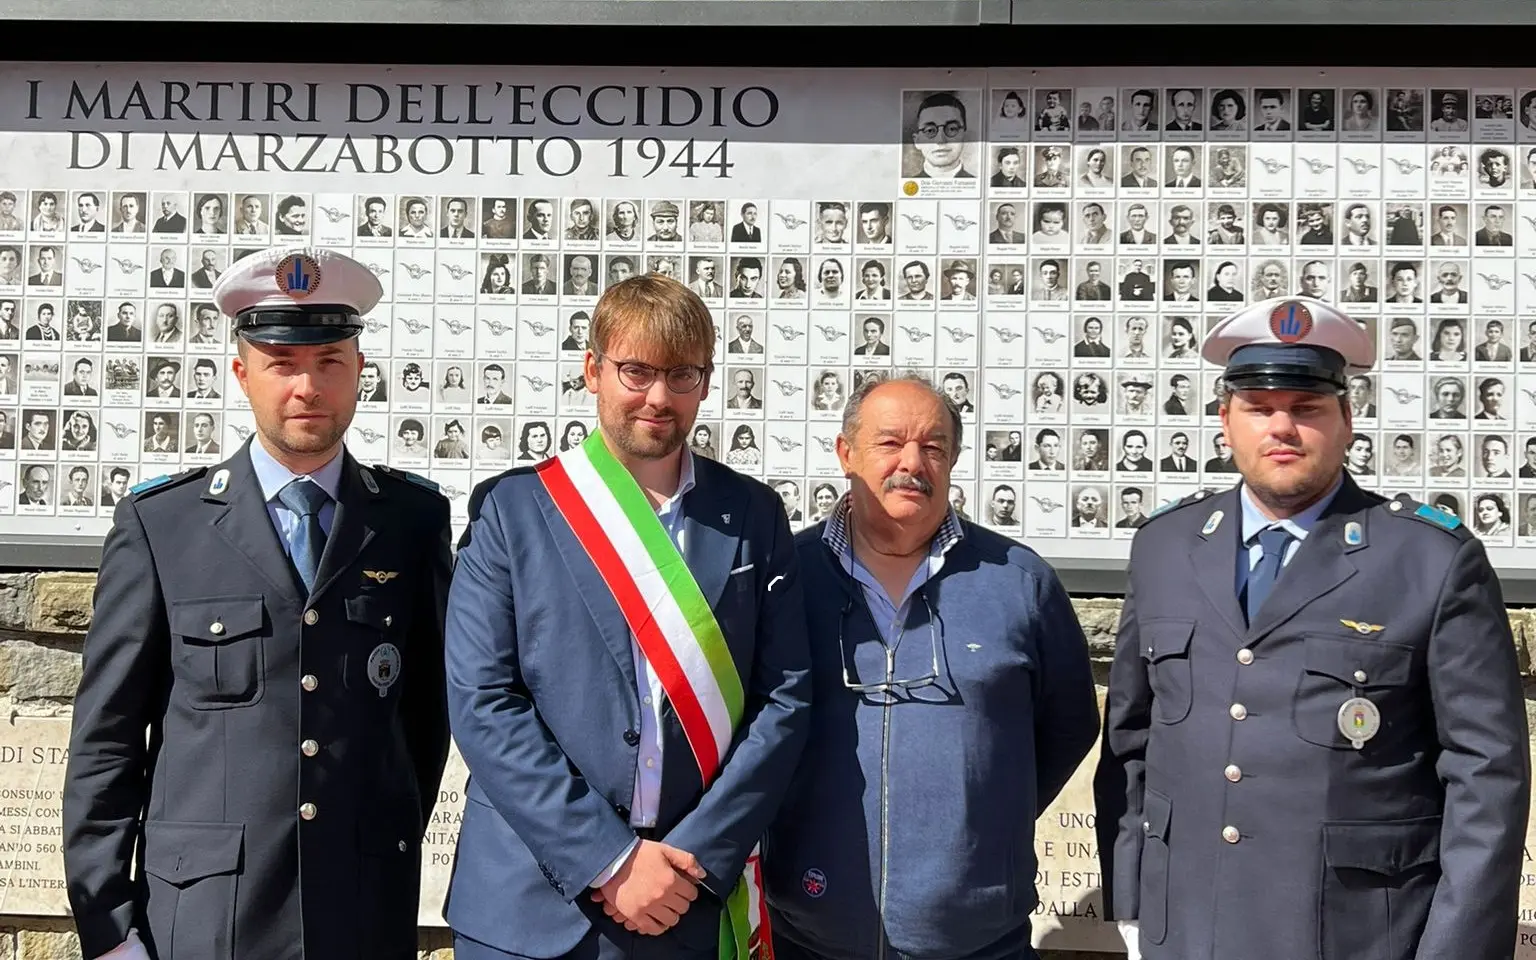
<point>676,630</point>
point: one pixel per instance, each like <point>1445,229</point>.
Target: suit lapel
<point>1215,550</point>
<point>594,592</point>
<point>244,523</point>
<point>713,513</point>
<point>1320,564</point>
<point>351,529</point>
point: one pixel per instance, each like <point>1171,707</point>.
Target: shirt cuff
<point>613,868</point>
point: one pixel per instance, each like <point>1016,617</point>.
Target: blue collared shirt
<point>887,610</point>
<point>273,477</point>
<point>1298,526</point>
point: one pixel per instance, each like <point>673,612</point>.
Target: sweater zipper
<point>885,819</point>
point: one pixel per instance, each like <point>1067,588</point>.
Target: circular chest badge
<point>298,275</point>
<point>384,667</point>
<point>1290,322</point>
<point>814,883</point>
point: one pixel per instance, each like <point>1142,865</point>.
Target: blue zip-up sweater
<point>910,829</point>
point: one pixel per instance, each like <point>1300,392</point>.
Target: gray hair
<point>855,405</point>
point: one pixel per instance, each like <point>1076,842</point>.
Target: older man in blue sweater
<point>953,698</point>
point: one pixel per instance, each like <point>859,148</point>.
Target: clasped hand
<point>653,889</point>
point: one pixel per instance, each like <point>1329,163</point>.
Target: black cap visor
<point>298,328</point>
<point>1284,376</point>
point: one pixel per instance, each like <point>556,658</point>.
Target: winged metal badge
<point>1365,629</point>
<point>381,576</point>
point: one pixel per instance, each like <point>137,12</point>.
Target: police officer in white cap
<point>1315,742</point>
<point>260,728</point>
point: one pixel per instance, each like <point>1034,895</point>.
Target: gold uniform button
<point>1229,834</point>
<point>1245,656</point>
<point>310,748</point>
<point>1233,772</point>
<point>309,682</point>
<point>216,628</point>
<point>1238,711</point>
<point>308,811</point>
<point>1359,676</point>
<point>311,617</point>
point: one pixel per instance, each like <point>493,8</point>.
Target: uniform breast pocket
<point>1165,649</point>
<point>374,659</point>
<point>1339,668</point>
<point>220,650</point>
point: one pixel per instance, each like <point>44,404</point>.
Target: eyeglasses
<point>890,690</point>
<point>684,378</point>
<point>930,131</point>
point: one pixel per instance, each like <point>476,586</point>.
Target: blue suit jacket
<point>544,707</point>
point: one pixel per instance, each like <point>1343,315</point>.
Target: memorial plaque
<point>33,752</point>
<point>441,838</point>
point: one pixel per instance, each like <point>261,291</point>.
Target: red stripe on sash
<point>632,604</point>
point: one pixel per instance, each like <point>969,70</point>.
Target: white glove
<point>130,949</point>
<point>1130,932</point>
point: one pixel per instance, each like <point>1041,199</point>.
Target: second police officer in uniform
<point>1315,742</point>
<point>274,625</point>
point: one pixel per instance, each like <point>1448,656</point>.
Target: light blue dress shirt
<point>273,477</point>
<point>890,613</point>
<point>1298,526</point>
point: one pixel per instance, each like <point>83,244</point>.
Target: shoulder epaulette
<point>1195,497</point>
<point>408,477</point>
<point>1405,506</point>
<point>164,482</point>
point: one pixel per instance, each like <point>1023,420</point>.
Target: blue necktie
<point>1267,570</point>
<point>307,543</point>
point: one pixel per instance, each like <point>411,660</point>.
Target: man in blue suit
<point>628,676</point>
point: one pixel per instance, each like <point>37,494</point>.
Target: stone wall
<point>43,618</point>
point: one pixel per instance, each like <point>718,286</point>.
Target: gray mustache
<point>907,481</point>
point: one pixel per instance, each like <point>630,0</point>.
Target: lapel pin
<point>1364,629</point>
<point>1212,523</point>
<point>381,576</point>
<point>1353,534</point>
<point>725,517</point>
<point>220,482</point>
<point>369,482</point>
